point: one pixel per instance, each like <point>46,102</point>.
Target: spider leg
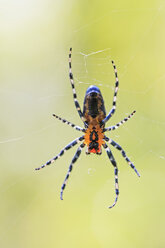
<point>111,158</point>
<point>76,156</point>
<point>117,146</point>
<point>112,111</point>
<point>69,123</point>
<point>69,146</point>
<point>120,123</point>
<point>73,87</point>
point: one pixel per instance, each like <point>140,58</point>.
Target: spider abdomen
<point>93,106</point>
<point>94,109</point>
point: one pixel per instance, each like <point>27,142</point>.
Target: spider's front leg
<point>111,158</point>
<point>118,147</point>
<point>66,148</point>
<point>76,156</point>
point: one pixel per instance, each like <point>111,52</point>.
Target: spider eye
<point>93,145</point>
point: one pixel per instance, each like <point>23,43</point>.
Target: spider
<point>94,118</point>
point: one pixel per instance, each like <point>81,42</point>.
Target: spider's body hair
<point>93,113</point>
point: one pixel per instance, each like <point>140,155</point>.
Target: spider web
<point>89,67</point>
<point>106,60</point>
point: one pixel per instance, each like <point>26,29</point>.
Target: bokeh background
<point>35,39</point>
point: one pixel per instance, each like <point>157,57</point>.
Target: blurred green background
<point>35,39</point>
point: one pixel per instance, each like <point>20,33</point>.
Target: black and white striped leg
<point>69,123</point>
<point>76,156</point>
<point>69,146</point>
<point>73,87</point>
<point>120,123</point>
<point>114,97</point>
<point>118,147</point>
<point>111,158</point>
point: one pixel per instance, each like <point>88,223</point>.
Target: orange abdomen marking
<point>94,138</point>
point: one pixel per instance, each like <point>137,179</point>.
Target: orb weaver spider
<point>94,118</point>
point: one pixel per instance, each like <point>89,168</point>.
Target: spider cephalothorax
<point>94,139</point>
<point>94,118</point>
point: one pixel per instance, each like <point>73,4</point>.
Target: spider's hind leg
<point>73,87</point>
<point>112,111</point>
